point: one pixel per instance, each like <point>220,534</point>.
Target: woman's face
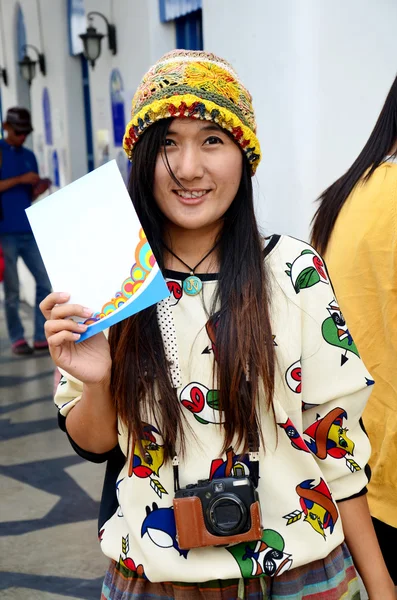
<point>208,164</point>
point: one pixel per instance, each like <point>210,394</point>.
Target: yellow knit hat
<point>186,83</point>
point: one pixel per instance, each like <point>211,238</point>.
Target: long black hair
<point>244,341</point>
<point>380,144</point>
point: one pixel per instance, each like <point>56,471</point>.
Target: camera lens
<point>227,515</point>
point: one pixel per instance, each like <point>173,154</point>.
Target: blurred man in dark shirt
<point>20,183</point>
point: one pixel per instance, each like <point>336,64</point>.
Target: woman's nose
<point>189,165</point>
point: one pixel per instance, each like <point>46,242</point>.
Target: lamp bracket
<point>111,30</point>
<point>40,57</point>
<point>4,75</point>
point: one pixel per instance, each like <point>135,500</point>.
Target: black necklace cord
<point>191,269</point>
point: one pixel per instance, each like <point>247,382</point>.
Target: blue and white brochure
<point>94,248</point>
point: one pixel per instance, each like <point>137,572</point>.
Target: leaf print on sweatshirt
<point>336,332</point>
<point>306,270</point>
<point>264,557</point>
<point>202,402</point>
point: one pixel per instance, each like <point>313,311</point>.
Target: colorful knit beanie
<point>197,84</point>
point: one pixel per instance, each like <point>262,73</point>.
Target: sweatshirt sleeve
<point>335,390</point>
<point>67,395</point>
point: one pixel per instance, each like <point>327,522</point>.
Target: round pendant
<point>192,285</point>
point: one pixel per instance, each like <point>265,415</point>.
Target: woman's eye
<point>213,140</point>
<point>169,142</point>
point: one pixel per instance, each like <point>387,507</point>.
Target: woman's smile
<point>191,197</point>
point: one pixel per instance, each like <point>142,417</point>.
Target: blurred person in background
<point>355,227</point>
<point>20,184</point>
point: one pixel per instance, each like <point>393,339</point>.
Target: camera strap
<point>253,456</point>
<point>253,461</point>
<point>175,468</point>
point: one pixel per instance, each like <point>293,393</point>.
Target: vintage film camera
<point>217,512</point>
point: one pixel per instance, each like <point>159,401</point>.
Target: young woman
<point>240,385</point>
<point>355,225</point>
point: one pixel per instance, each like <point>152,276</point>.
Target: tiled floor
<point>49,497</point>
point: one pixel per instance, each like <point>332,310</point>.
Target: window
<point>188,21</point>
<point>189,31</point>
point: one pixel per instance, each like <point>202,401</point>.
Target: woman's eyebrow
<point>209,127</point>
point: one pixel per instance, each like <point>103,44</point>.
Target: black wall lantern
<point>92,39</point>
<point>4,76</point>
<point>28,66</point>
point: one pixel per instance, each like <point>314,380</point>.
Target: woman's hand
<point>89,361</point>
<point>363,545</point>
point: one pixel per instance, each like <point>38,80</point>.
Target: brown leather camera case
<point>192,531</point>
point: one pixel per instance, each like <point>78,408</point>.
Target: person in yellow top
<point>355,228</point>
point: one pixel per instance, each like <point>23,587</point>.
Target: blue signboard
<point>21,33</point>
<point>117,101</point>
<point>47,117</point>
<point>77,24</point>
<point>173,9</point>
<point>55,169</point>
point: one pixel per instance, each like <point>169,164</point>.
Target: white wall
<point>64,83</point>
<point>357,65</point>
<point>318,73</point>
<point>141,40</point>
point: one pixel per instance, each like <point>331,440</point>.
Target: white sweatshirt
<point>315,456</point>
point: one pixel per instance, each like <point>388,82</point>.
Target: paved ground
<point>49,497</point>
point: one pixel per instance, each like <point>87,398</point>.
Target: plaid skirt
<point>332,578</point>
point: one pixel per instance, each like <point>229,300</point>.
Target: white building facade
<point>318,73</point>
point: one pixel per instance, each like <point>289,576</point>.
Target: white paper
<point>88,234</point>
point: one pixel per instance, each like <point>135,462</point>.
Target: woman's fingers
<point>64,311</point>
<point>52,300</point>
<point>54,307</point>
<point>55,326</point>
<point>59,339</point>
<point>60,329</point>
